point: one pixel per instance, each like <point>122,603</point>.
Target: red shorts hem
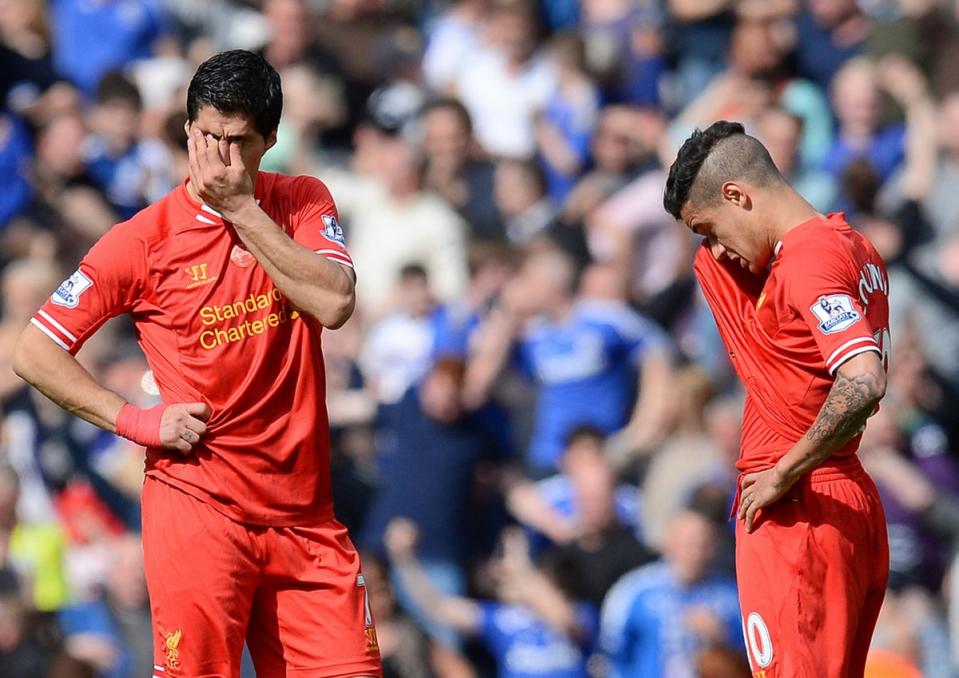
<point>340,670</point>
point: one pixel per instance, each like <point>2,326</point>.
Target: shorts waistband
<point>847,468</point>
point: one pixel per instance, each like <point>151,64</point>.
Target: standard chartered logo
<point>216,318</point>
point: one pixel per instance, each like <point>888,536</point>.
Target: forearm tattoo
<point>850,402</point>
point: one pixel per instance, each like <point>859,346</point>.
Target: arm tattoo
<point>850,402</point>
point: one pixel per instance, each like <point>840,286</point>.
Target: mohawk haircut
<point>709,158</point>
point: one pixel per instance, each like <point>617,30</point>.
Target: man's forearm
<point>313,284</point>
<point>58,376</point>
<point>851,401</point>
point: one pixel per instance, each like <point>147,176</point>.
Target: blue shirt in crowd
<point>16,154</point>
<point>525,647</point>
<point>586,372</point>
<point>643,631</point>
<point>91,38</point>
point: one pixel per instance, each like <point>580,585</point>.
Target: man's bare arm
<point>314,285</point>
<point>859,386</point>
<point>62,379</point>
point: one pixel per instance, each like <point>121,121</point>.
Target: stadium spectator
<point>519,191</point>
<point>506,83</point>
<point>455,168</point>
<point>452,41</point>
<point>552,507</point>
<point>781,132</point>
<point>563,130</point>
<point>398,348</point>
<point>658,618</point>
<point>581,354</point>
<point>91,39</point>
<point>392,221</point>
<point>829,33</point>
<point>532,628</point>
<point>856,96</point>
<point>129,170</point>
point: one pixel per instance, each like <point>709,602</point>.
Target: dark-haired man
<point>801,301</point>
<point>230,280</point>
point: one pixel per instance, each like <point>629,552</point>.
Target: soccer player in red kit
<point>230,280</point>
<point>800,300</point>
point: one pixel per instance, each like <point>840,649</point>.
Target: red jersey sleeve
<point>108,282</point>
<point>317,225</point>
<point>821,288</point>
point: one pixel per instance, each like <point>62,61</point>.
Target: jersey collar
<point>797,231</point>
<point>205,214</point>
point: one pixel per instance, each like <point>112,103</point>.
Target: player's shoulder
<point>300,187</point>
<point>149,225</point>
<point>821,243</point>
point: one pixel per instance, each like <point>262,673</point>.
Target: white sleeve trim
<point>847,356</point>
<point>337,256</point>
<point>49,318</point>
<point>851,342</point>
<point>50,334</point>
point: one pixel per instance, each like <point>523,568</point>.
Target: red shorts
<point>294,594</point>
<point>812,576</point>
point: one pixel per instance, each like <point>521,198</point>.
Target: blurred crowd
<point>534,421</point>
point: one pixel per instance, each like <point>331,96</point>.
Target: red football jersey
<point>823,300</point>
<point>215,328</point>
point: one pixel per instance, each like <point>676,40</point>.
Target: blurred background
<point>534,421</point>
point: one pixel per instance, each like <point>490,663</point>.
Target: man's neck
<point>790,211</point>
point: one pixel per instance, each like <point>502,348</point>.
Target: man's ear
<point>734,192</point>
<point>271,140</point>
<point>186,128</point>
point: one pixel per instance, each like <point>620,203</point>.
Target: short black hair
<point>413,271</point>
<point>115,87</point>
<point>711,157</point>
<point>238,82</point>
<point>453,105</point>
<point>587,432</point>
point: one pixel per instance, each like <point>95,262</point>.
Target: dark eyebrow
<point>229,137</point>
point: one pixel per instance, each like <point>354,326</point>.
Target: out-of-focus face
<point>614,145</point>
<point>118,121</point>
<point>753,50</point>
<point>949,124</point>
<point>593,483</point>
<point>541,284</point>
<point>856,98</point>
<point>513,190</point>
<point>25,287</point>
<point>828,13</point>
<point>728,228</point>
<point>235,128</point>
<point>690,546</point>
<point>414,296</point>
<point>516,35</point>
<point>780,134</point>
<point>446,140</point>
<point>288,23</point>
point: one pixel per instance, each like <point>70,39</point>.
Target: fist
<point>183,425</point>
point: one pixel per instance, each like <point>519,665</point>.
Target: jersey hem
<point>323,514</point>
